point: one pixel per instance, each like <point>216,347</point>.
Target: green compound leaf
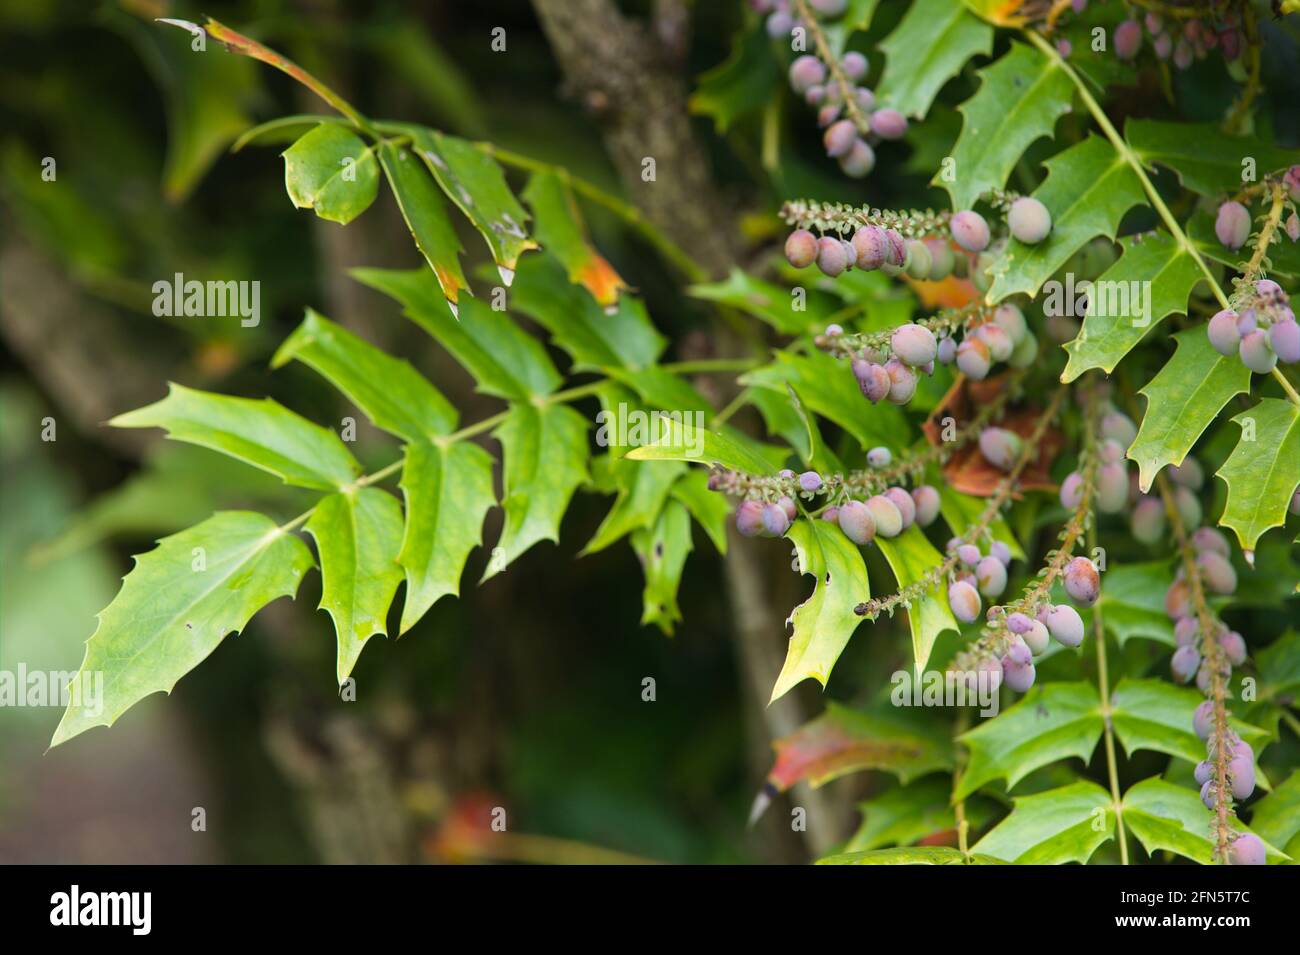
<point>910,556</point>
<point>621,338</point>
<point>1019,100</point>
<point>680,440</point>
<point>1182,399</point>
<point>262,433</point>
<point>504,360</point>
<point>662,549</point>
<point>1051,722</point>
<point>768,302</point>
<point>1157,715</point>
<point>739,85</point>
<point>1206,160</point>
<point>828,388</point>
<point>1133,602</point>
<point>1152,279</point>
<point>473,180</point>
<point>426,216</point>
<point>928,47</point>
<point>560,230</point>
<point>358,534</point>
<point>545,453</point>
<point>388,390</point>
<point>448,491</point>
<point>824,622</point>
<point>332,171</point>
<point>1163,815</point>
<point>1262,473</point>
<point>1088,189</point>
<point>641,496</point>
<point>1054,827</point>
<point>843,741</point>
<point>909,855</point>
<point>1276,817</point>
<point>177,603</point>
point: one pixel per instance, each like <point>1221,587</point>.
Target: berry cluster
<point>846,108</point>
<point>1181,41</point>
<point>1262,329</point>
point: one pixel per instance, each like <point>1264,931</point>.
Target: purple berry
<point>873,380</point>
<point>779,24</point>
<point>970,231</point>
<point>1208,539</point>
<point>1000,447</point>
<point>926,500</point>
<point>1189,474</point>
<point>969,555</point>
<point>872,247</point>
<point>946,352</point>
<point>889,520</point>
<point>1184,663</point>
<point>991,576</point>
<point>858,162</point>
<point>831,258</point>
<point>838,138</point>
<point>1064,624</point>
<point>1148,523</point>
<point>749,518</point>
<point>1209,794</point>
<point>1284,336</point>
<point>1029,220</point>
<point>1256,352</point>
<point>1036,637</point>
<point>1019,623</point>
<point>801,248</point>
<point>1186,631</point>
<point>913,344</point>
<point>775,520</point>
<point>1128,40</point>
<point>831,515</point>
<point>1118,426</point>
<point>857,523</point>
<point>854,65</point>
<point>1232,225</point>
<point>1234,645</point>
<point>964,601</point>
<point>1001,551</point>
<point>889,124</point>
<point>806,71</point>
<point>1203,772</point>
<point>1082,582</point>
<point>906,506</point>
<point>879,457</point>
<point>1072,491</point>
<point>1012,321</point>
<point>1203,720</point>
<point>1246,849</point>
<point>919,261</point>
<point>973,359</point>
<point>1217,572</point>
<point>810,481</point>
<point>1112,488</point>
<point>902,382</point>
<point>1018,676</point>
<point>1241,771</point>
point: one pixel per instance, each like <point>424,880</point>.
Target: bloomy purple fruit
<point>857,523</point>
<point>1000,447</point>
<point>1246,849</point>
<point>749,518</point>
<point>1148,524</point>
<point>913,344</point>
<point>838,138</point>
<point>1036,637</point>
<point>806,71</point>
<point>801,248</point>
<point>1232,225</point>
<point>970,231</point>
<point>1217,572</point>
<point>858,162</point>
<point>1234,645</point>
<point>1082,582</point>
<point>1256,352</point>
<point>1223,332</point>
<point>1128,40</point>
<point>889,124</point>
<point>973,359</point>
<point>889,521</point>
<point>903,501</point>
<point>926,499</point>
<point>1072,491</point>
<point>1203,720</point>
<point>902,382</point>
<point>964,601</point>
<point>872,247</point>
<point>1184,663</point>
<point>991,577</point>
<point>775,520</point>
<point>1064,624</point>
<point>1029,220</point>
<point>873,380</point>
<point>1208,539</point>
<point>1284,336</point>
<point>810,481</point>
<point>831,258</point>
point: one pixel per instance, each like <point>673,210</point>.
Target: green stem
<point>1103,691</point>
<point>1135,164</point>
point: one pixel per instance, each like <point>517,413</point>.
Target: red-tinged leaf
<point>560,229</point>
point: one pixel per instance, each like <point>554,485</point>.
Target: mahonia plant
<point>978,369</point>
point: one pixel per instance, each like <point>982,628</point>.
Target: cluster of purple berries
<point>1181,41</point>
<point>1245,849</point>
<point>1148,519</point>
<point>976,573</point>
<point>1218,577</point>
<point>1029,639</point>
<point>1262,333</point>
<point>887,514</point>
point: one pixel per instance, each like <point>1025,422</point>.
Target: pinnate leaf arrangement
<point>1007,411</point>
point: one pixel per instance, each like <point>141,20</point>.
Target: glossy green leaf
<point>824,622</point>
<point>388,390</point>
<point>1279,668</point>
<point>1054,827</point>
<point>929,46</point>
<point>1088,189</point>
<point>638,503</point>
<point>473,180</point>
<point>906,814</point>
<point>1165,816</point>
<point>262,433</point>
<point>560,230</point>
<point>177,603</point>
<point>1133,602</point>
<point>909,855</point>
<point>709,508</point>
<point>1157,715</point>
<point>1206,160</point>
<point>1051,722</point>
<point>426,216</point>
<point>1019,100</point>
<point>827,387</point>
<point>1152,279</point>
<point>911,556</point>
<point>662,549</point>
<point>448,491</point>
<point>741,84</point>
<point>502,357</point>
<point>1182,399</point>
<point>622,337</point>
<point>358,535</point>
<point>1262,473</point>
<point>332,171</point>
<point>680,440</point>
<point>545,459</point>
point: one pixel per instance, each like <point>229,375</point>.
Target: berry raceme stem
<point>946,323</point>
<point>847,89</point>
<point>1253,270</point>
<point>1158,203</point>
<point>1081,520</point>
<point>1103,693</point>
<point>1214,656</point>
<point>872,609</point>
<point>840,217</point>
